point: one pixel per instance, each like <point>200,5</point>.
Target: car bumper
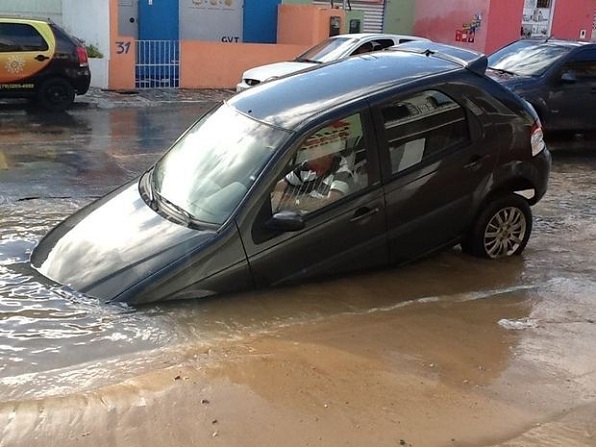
<point>539,172</point>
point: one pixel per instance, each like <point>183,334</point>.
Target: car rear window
<point>20,37</point>
<point>64,41</point>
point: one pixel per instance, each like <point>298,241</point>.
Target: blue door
<point>158,52</point>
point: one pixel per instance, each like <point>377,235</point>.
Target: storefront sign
<point>536,18</point>
<point>211,20</point>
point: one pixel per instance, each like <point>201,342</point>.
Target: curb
<point>108,99</point>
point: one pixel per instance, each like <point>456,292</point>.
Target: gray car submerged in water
<point>372,161</point>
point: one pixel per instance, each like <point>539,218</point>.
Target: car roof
<point>365,36</point>
<point>289,101</point>
<point>23,19</point>
<point>555,41</point>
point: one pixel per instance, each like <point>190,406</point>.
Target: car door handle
<point>41,58</point>
<point>473,162</point>
<point>363,213</point>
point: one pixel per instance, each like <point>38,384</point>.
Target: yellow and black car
<point>42,62</point>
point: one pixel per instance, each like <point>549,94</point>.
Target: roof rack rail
<point>4,15</point>
<point>471,60</point>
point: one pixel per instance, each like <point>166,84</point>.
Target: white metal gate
<point>157,64</point>
<point>374,13</point>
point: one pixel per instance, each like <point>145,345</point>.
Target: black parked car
<point>557,77</point>
<point>41,62</point>
<point>363,163</point>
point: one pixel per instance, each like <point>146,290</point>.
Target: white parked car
<point>331,49</point>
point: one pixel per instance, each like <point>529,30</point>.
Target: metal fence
<point>157,64</point>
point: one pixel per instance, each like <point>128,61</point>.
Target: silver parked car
<point>331,49</point>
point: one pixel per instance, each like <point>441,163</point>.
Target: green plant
<point>93,51</point>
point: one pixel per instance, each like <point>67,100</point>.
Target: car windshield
<point>326,51</point>
<point>210,168</point>
<point>526,57</point>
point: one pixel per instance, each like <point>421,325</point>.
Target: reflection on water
<point>54,341</point>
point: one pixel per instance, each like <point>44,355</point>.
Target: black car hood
<point>113,244</point>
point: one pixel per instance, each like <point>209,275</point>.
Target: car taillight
<point>537,139</point>
<point>83,58</point>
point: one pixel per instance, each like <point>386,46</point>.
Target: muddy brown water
<point>450,350</point>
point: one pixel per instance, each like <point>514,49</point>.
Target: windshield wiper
<point>311,61</point>
<point>503,71</point>
<point>184,215</point>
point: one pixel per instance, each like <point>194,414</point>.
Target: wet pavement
<point>449,351</point>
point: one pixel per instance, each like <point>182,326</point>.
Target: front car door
<point>434,164</point>
<point>344,213</point>
<point>573,97</point>
<point>25,49</point>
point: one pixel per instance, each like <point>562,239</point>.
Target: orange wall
<point>305,24</point>
<point>572,16</point>
<point>220,65</point>
<point>122,55</point>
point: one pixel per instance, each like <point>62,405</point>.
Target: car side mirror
<point>568,78</point>
<point>286,221</point>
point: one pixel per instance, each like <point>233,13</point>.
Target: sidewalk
<point>108,99</point>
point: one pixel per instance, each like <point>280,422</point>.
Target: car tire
<point>56,94</point>
<point>502,228</point>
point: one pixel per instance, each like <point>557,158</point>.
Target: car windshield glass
<point>527,58</point>
<point>326,51</point>
<point>208,171</point>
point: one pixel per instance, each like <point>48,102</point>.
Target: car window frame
<point>21,49</point>
<point>383,142</point>
<point>262,235</point>
<point>577,57</point>
<point>371,152</point>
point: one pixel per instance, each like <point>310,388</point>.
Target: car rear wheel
<point>502,229</point>
<point>56,94</point>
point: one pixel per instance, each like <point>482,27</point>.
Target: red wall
<point>571,16</point>
<point>501,20</point>
<point>440,20</point>
<point>504,24</point>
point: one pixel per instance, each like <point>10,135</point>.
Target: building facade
<point>209,43</point>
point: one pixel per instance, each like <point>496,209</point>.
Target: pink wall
<point>572,16</point>
<point>500,22</point>
<point>440,20</point>
<point>504,24</point>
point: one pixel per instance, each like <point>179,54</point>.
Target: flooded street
<point>448,351</point>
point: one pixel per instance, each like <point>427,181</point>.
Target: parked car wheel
<point>502,229</point>
<point>56,94</point>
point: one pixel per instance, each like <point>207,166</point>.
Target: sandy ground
<point>429,374</point>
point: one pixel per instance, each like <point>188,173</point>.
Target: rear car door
<point>347,234</point>
<point>573,99</point>
<point>25,49</point>
<point>434,161</point>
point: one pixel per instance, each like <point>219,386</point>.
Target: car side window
<point>583,66</point>
<point>20,37</point>
<point>422,125</point>
<point>330,164</point>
